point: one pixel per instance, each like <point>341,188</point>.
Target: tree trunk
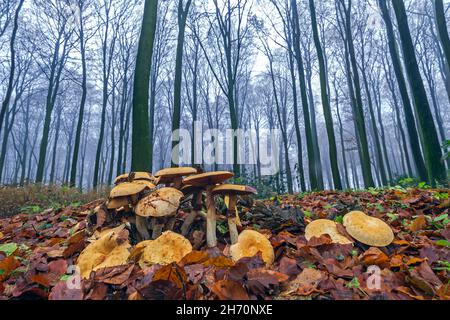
<point>141,144</point>
<point>326,101</point>
<point>431,147</point>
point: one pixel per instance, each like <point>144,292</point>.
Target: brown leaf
<point>114,275</point>
<point>289,266</point>
<point>375,256</point>
<point>418,224</point>
<point>229,290</point>
<point>173,273</point>
<point>194,257</point>
<point>7,266</point>
<point>319,241</point>
<point>219,262</point>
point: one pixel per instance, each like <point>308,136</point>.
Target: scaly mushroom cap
<point>133,176</point>
<point>231,189</point>
<point>167,248</point>
<point>160,203</point>
<point>368,230</point>
<point>323,226</point>
<point>188,189</point>
<point>129,189</point>
<point>208,178</point>
<point>121,202</point>
<point>109,250</point>
<point>249,243</point>
<point>169,174</point>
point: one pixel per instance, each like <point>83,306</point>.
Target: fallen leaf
<point>229,290</point>
<point>418,224</point>
<point>375,256</point>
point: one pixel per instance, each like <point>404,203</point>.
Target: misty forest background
<point>360,90</point>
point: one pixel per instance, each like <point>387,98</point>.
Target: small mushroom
<point>168,248</point>
<point>109,250</point>
<point>173,177</point>
<point>251,242</point>
<point>368,230</point>
<point>160,203</point>
<point>208,181</point>
<point>125,195</point>
<point>196,203</point>
<point>231,192</point>
<point>319,227</point>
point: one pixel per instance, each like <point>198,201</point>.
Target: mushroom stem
<point>156,228</point>
<point>234,234</point>
<point>171,223</point>
<point>232,213</point>
<point>188,222</point>
<point>211,238</point>
<point>141,226</point>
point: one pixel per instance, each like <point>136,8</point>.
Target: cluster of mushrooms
<point>138,192</point>
<point>154,201</point>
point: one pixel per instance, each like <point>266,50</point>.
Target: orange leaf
<point>219,262</point>
<point>418,224</point>
<point>172,273</point>
<point>194,257</point>
<point>8,265</point>
<point>375,256</point>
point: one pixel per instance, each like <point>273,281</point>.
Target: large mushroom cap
<point>129,189</point>
<point>368,230</point>
<point>169,174</point>
<point>229,189</point>
<point>249,243</point>
<point>208,178</point>
<point>167,248</point>
<point>323,226</point>
<point>160,203</point>
<point>109,250</point>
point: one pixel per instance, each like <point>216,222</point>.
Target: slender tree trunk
<point>442,29</point>
<point>326,101</point>
<point>141,144</point>
<point>176,117</point>
<point>12,68</point>
<point>359,110</point>
<point>304,97</point>
<point>431,147</point>
<point>73,171</point>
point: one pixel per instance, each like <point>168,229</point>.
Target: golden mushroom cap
<point>229,189</point>
<point>121,202</point>
<point>160,203</point>
<point>133,176</point>
<point>169,174</point>
<point>208,178</point>
<point>249,243</point>
<point>368,230</point>
<point>319,227</point>
<point>167,248</point>
<point>128,189</point>
<point>107,251</point>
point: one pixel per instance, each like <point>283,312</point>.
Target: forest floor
<point>37,248</point>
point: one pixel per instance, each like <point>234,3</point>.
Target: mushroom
<point>125,195</point>
<point>196,203</point>
<point>231,192</point>
<point>167,248</point>
<point>368,230</point>
<point>251,242</point>
<point>135,176</point>
<point>319,227</point>
<point>160,203</point>
<point>208,181</point>
<point>173,177</point>
<point>109,250</point>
